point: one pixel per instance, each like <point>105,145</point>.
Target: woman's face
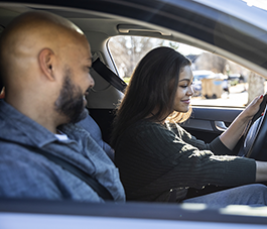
<point>184,90</point>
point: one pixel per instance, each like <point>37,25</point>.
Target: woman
<point>158,160</point>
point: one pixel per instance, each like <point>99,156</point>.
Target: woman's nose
<point>190,90</point>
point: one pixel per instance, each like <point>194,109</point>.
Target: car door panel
<point>206,123</point>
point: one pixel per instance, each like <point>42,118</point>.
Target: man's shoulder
<point>8,148</point>
<point>17,154</point>
<point>24,174</point>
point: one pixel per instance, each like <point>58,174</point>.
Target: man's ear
<point>46,59</point>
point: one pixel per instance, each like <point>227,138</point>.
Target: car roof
<point>238,35</point>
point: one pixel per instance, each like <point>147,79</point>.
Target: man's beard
<point>70,101</point>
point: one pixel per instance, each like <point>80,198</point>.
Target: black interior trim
<point>132,210</point>
<point>201,123</point>
<point>222,114</point>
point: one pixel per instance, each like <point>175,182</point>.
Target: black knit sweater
<point>154,158</point>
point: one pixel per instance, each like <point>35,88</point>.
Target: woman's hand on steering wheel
<point>254,137</point>
<point>253,107</point>
<point>232,135</point>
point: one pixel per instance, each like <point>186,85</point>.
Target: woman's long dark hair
<point>152,85</point>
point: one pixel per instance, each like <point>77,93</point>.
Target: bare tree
<point>128,51</point>
<point>255,86</point>
<point>209,61</point>
<point>119,51</point>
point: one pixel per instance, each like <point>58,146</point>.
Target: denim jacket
<point>25,174</point>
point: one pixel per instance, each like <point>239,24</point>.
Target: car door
<point>206,123</point>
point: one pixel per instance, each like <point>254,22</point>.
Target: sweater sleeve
<point>184,165</point>
<point>216,146</point>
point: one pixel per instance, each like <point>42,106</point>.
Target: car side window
<point>217,81</point>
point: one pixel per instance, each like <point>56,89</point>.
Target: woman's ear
<point>46,59</point>
<point>2,93</point>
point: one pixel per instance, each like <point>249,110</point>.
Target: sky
<point>257,3</point>
<point>187,49</point>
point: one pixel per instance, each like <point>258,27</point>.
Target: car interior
<point>104,97</point>
<point>100,21</point>
<point>100,27</point>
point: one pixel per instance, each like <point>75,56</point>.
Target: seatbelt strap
<point>76,171</point>
<point>109,75</point>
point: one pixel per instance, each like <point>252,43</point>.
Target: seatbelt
<point>109,75</point>
<point>90,181</point>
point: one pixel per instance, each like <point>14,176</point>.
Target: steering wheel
<point>256,136</point>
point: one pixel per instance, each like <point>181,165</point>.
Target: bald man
<point>44,63</point>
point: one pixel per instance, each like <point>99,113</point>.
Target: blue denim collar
<point>17,127</point>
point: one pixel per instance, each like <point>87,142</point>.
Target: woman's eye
<point>183,86</point>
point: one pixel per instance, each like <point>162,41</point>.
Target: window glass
<point>217,81</point>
